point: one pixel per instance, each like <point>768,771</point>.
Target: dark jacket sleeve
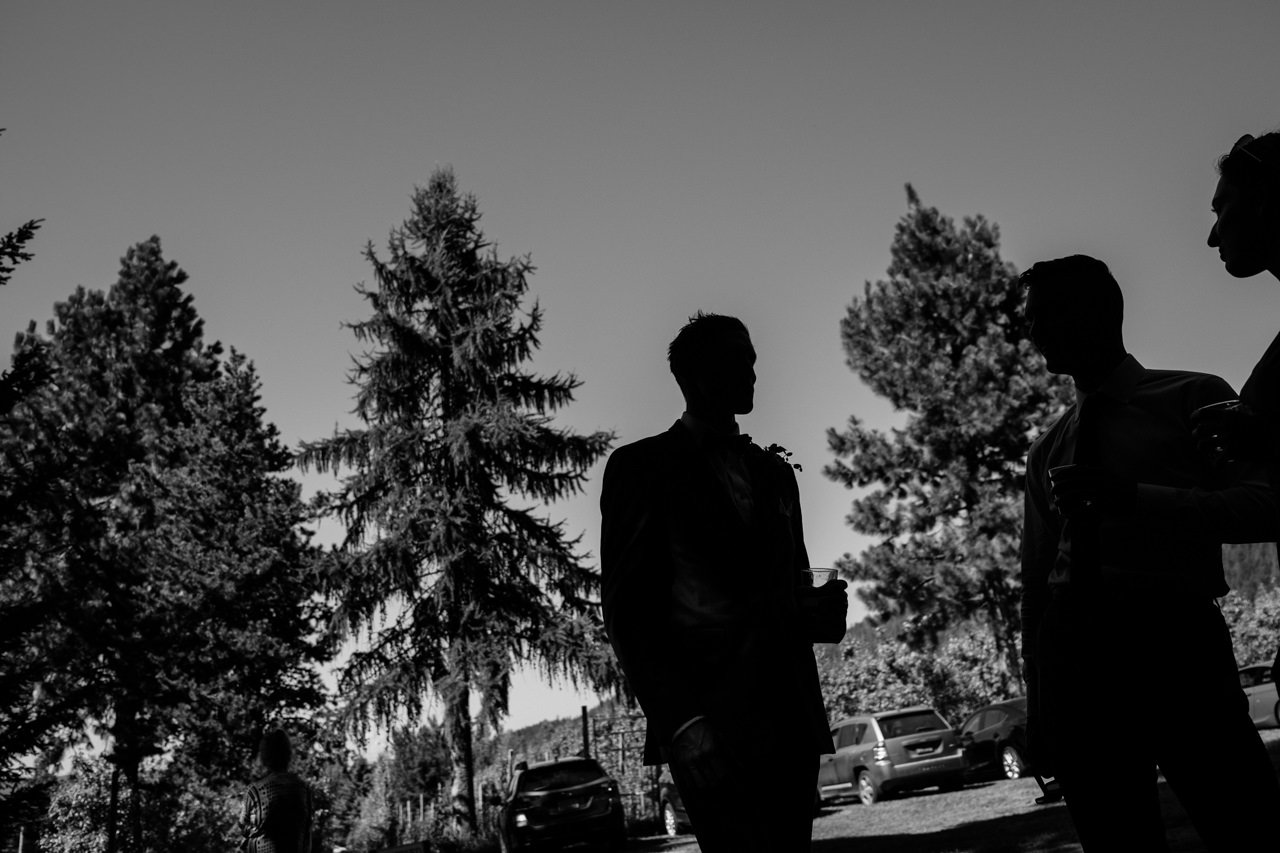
<point>1040,534</point>
<point>637,570</point>
<point>1236,502</point>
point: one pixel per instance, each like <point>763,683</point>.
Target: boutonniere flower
<point>775,449</point>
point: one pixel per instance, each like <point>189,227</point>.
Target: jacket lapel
<point>702,477</point>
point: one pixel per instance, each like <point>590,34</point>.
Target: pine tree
<point>162,588</point>
<point>447,577</point>
<point>28,370</point>
<point>945,341</point>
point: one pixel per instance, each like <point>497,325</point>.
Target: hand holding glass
<point>814,578</point>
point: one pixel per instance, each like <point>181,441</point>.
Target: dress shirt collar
<point>703,432</point>
<point>1120,382</point>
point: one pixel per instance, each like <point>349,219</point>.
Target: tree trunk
<point>1003,614</point>
<point>114,801</point>
<point>457,713</point>
<point>135,809</point>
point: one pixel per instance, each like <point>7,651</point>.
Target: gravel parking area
<point>988,817</point>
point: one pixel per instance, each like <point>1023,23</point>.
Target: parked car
<point>553,804</point>
<point>674,818</point>
<point>1264,702</point>
<point>994,739</point>
<point>880,754</point>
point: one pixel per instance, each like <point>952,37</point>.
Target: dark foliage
<point>446,573</point>
<point>944,340</point>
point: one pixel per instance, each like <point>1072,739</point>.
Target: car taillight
<point>522,819</point>
<point>880,752</point>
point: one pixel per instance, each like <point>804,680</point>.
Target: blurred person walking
<point>1121,565</point>
<point>707,606</point>
<point>277,810</point>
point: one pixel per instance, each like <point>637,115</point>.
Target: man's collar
<point>1120,383</point>
<point>702,431</point>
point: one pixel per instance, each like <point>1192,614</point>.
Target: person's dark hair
<point>1081,280</point>
<point>697,339</point>
<point>1253,163</point>
<point>274,750</point>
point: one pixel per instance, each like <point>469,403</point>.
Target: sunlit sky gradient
<point>654,158</point>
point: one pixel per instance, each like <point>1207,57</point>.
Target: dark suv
<point>879,754</point>
<point>994,739</point>
<point>552,804</point>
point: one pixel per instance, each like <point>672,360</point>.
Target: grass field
<point>991,817</point>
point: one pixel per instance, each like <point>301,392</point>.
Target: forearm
<point>1246,511</point>
<point>653,668</point>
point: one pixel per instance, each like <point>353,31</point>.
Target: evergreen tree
<point>943,339</point>
<point>164,589</point>
<point>28,370</point>
<point>449,580</point>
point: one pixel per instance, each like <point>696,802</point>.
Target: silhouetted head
<point>274,751</point>
<point>1246,207</point>
<point>1076,313</point>
<point>713,361</point>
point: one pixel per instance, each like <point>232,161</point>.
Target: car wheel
<point>1011,761</point>
<point>868,792</point>
<point>669,822</point>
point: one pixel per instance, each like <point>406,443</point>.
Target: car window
<point>994,718</point>
<point>848,736</point>
<point>915,722</point>
<point>565,775</point>
<point>1248,678</point>
<point>866,733</point>
<point>971,725</point>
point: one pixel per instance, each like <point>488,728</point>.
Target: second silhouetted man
<point>1129,663</point>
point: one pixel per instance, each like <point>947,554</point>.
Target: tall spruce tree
<point>447,575</point>
<point>28,369</point>
<point>163,587</point>
<point>24,725</point>
<point>944,340</point>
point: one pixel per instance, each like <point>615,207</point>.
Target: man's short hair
<point>1079,280</point>
<point>697,340</point>
<point>1253,163</point>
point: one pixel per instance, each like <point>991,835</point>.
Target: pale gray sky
<point>655,158</point>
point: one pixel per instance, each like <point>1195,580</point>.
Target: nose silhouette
<point>1213,236</point>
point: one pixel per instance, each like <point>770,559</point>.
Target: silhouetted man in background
<point>276,815</point>
<point>1129,663</point>
<point>702,556</point>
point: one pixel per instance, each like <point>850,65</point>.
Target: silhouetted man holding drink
<point>709,608</point>
<point>1129,663</point>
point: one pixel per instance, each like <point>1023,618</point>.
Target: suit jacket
<point>1262,393</point>
<point>700,605</point>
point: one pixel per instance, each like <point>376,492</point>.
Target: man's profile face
<point>1060,331</point>
<point>1240,232</point>
<point>727,380</point>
